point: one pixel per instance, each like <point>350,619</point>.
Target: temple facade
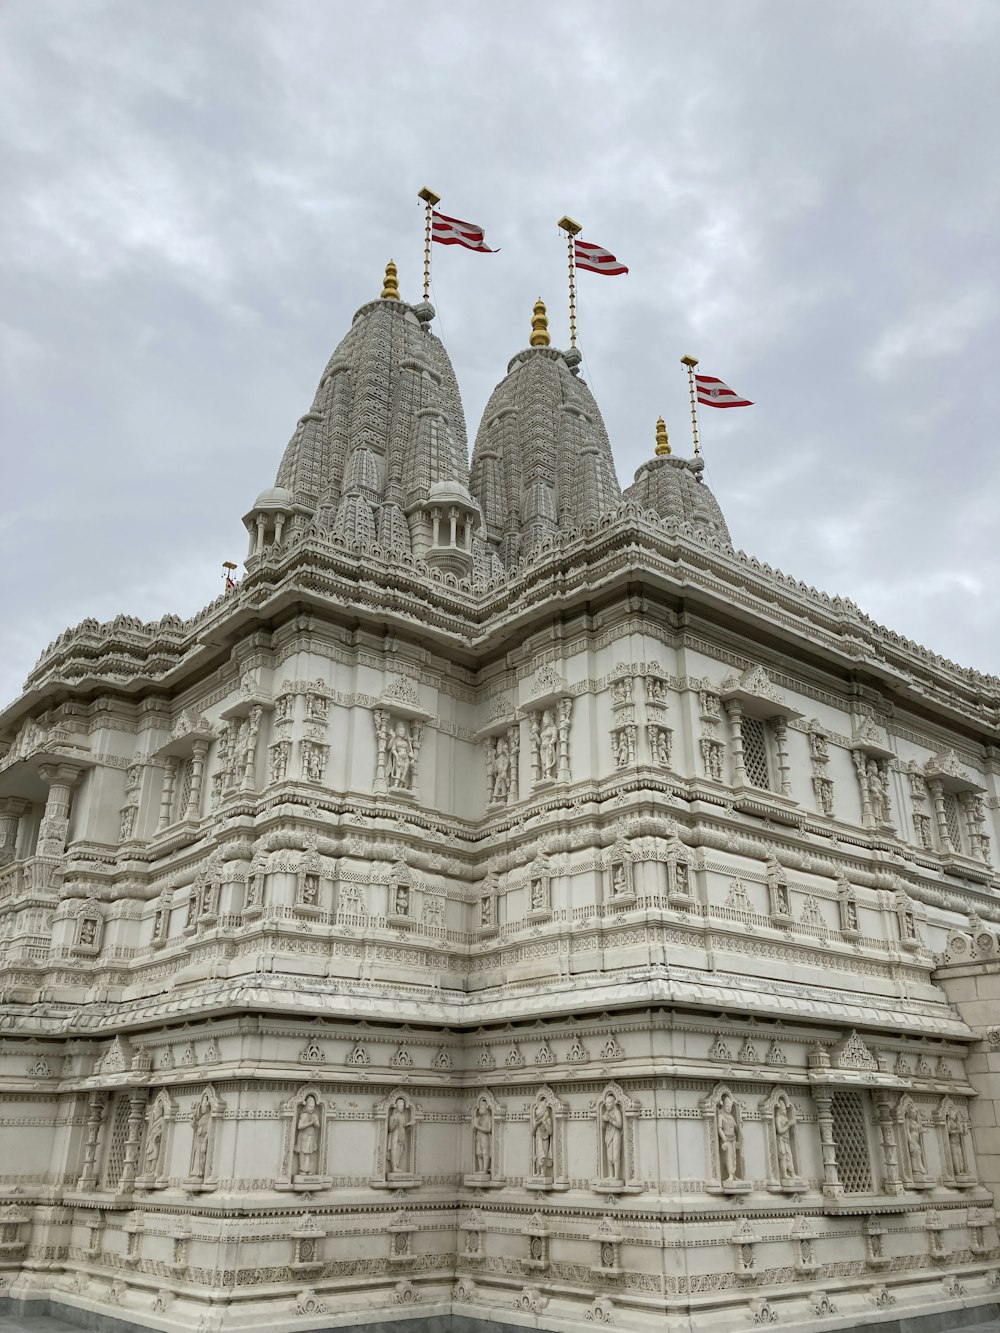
<point>510,901</point>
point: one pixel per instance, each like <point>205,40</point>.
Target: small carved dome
<point>673,487</point>
<point>275,497</point>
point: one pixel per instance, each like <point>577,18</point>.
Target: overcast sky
<point>198,194</point>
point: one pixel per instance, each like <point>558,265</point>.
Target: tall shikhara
<point>509,899</point>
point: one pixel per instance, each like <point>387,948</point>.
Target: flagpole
<point>691,362</point>
<point>572,230</point>
<point>430,199</point>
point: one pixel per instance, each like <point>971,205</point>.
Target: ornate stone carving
<point>548,1118</point>
<point>487,1119</point>
<point>723,1117</point>
<point>781,1131</point>
<point>398,1119</point>
<point>205,1117</point>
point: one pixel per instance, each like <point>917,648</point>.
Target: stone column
<point>937,796</point>
<point>95,1119</point>
<point>261,524</point>
<point>564,710</point>
<point>860,767</point>
<point>55,822</point>
<point>11,810</point>
<point>167,794</point>
<point>734,711</point>
<point>891,1183</point>
<point>136,1114</point>
<point>779,727</point>
<point>198,755</point>
<point>823,1098</point>
<point>453,520</point>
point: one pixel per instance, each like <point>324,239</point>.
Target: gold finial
<point>662,443</point>
<point>540,325</point>
<point>390,292</point>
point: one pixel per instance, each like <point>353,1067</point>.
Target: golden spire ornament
<point>662,443</point>
<point>390,291</point>
<point>540,325</point>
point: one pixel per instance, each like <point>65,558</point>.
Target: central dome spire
<point>542,460</point>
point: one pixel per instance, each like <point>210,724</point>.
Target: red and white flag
<point>713,393</point>
<point>595,259</point>
<point>452,231</point>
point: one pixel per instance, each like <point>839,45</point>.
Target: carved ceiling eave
<point>628,549</point>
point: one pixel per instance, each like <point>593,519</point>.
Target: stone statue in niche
<point>501,772</point>
<point>401,900</point>
<point>784,1129</point>
<point>400,756</point>
<point>914,1132</point>
<point>955,1131</point>
<point>398,1139</point>
<point>619,885</point>
<point>548,745</point>
<point>310,890</point>
<point>541,1139</point>
<point>878,792</point>
<point>308,1123</point>
<point>612,1124</point>
<point>127,823</point>
<point>621,693</point>
<point>730,1135</point>
<point>487,912</point>
<point>851,914</point>
<point>681,877</point>
<point>154,1141</point>
<point>482,1128</point>
<point>279,761</point>
<point>537,895</point>
<point>88,932</point>
<point>201,1129</point>
<point>622,754</point>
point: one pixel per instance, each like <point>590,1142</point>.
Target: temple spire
<point>662,443</point>
<point>540,325</point>
<point>390,290</point>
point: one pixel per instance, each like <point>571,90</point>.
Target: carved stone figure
<point>956,1143</point>
<point>310,890</point>
<point>88,932</point>
<point>913,1129</point>
<point>501,771</point>
<point>619,884</point>
<point>400,757</point>
<point>537,895</point>
<point>784,1127</point>
<point>730,1136</point>
<point>201,1128</point>
<point>401,900</point>
<point>399,1127</point>
<point>851,911</point>
<point>622,749</point>
<point>279,761</point>
<point>154,1141</point>
<point>548,745</point>
<point>482,1126</point>
<point>612,1123</point>
<point>307,1134</point>
<point>487,914</point>
<point>541,1138</point>
<point>878,792</point>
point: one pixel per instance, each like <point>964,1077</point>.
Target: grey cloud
<point>200,196</point>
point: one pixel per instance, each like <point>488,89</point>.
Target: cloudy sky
<point>199,194</point>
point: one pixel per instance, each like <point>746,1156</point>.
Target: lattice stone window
<point>184,788</point>
<point>952,820</point>
<point>114,1160</point>
<point>755,757</point>
<point>851,1136</point>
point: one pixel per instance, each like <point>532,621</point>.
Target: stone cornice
<point>627,546</point>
